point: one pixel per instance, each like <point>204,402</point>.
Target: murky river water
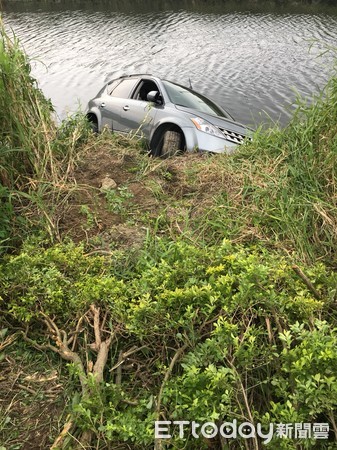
<point>251,63</point>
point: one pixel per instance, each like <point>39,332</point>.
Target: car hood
<point>218,121</point>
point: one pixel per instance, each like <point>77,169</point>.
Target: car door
<point>138,114</point>
<point>113,103</point>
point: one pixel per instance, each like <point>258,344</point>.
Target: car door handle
<point>126,108</point>
<point>102,105</point>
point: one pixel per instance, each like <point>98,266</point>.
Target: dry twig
<point>307,282</point>
<point>158,444</point>
<point>61,347</point>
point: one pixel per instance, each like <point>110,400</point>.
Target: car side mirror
<point>154,97</point>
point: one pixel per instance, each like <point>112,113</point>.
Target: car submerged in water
<point>172,118</point>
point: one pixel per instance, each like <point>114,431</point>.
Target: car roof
<point>131,76</point>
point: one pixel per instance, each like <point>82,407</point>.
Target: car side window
<point>123,89</point>
<point>143,88</point>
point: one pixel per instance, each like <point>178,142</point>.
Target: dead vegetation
<point>32,402</point>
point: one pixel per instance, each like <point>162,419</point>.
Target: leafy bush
<point>246,336</point>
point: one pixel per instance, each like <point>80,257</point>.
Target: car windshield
<point>183,96</point>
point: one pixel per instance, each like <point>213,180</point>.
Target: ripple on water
<point>247,62</point>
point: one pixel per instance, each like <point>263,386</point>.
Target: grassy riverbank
<point>198,287</point>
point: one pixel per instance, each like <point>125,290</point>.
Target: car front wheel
<point>171,144</point>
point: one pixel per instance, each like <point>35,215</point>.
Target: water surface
<point>252,63</point>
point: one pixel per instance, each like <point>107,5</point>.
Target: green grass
<point>25,116</point>
<point>281,188</point>
<point>36,157</point>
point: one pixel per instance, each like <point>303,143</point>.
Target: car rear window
<point>112,85</point>
<point>123,89</point>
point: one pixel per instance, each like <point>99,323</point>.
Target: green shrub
<point>255,341</point>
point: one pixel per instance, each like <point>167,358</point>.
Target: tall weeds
<point>288,192</point>
<point>36,156</point>
<point>306,190</point>
<point>27,126</point>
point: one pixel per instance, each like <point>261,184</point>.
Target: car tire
<point>94,127</point>
<point>171,144</point>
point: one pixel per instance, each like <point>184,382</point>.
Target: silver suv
<point>172,118</point>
